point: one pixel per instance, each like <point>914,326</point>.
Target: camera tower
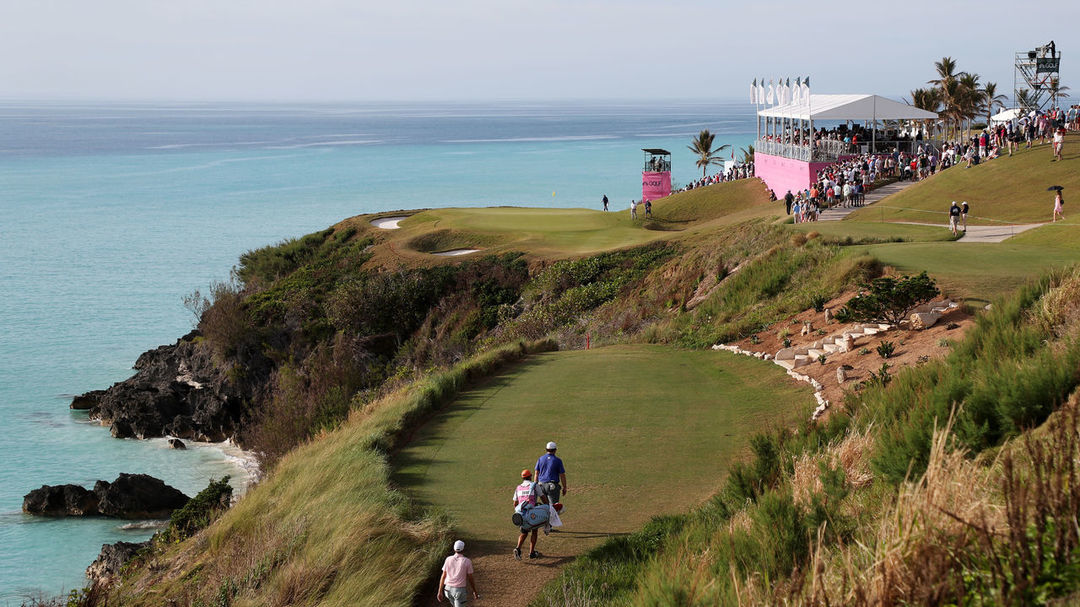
<point>1037,77</point>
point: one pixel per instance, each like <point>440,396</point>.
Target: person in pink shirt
<point>457,571</point>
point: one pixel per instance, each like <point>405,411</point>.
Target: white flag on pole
<point>770,95</point>
<point>796,92</point>
<point>753,92</point>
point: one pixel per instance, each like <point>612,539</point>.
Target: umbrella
<point>1054,187</point>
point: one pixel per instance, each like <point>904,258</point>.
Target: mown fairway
<point>642,430</point>
<point>860,231</point>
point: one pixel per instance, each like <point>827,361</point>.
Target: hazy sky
<point>356,50</point>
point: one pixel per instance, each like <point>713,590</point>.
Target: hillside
<point>1010,190</point>
<point>354,509</point>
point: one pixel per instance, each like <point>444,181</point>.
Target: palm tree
<point>747,154</point>
<point>702,146</point>
<point>1057,91</point>
<point>946,69</point>
<point>927,99</point>
<point>993,99</point>
<point>1026,99</point>
<point>970,101</point>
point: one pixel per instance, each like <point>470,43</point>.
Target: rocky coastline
<point>177,391</point>
<point>130,496</point>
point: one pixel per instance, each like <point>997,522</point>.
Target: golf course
<point>643,430</point>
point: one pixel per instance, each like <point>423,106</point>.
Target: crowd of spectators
<point>845,183</point>
<point>741,171</point>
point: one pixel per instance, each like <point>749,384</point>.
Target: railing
<point>830,150</point>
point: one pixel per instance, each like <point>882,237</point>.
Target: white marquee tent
<point>1007,115</point>
<point>847,107</point>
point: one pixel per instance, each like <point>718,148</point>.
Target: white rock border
<point>819,390</point>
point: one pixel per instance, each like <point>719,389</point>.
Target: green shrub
<point>886,348</point>
<point>200,511</point>
<point>889,299</point>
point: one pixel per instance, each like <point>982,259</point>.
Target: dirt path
<point>503,580</point>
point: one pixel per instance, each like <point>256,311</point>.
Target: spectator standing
<point>788,199</point>
<point>551,476</point>
<point>457,576</point>
<point>1059,141</point>
<point>1059,206</point>
<point>963,212</point>
<point>605,201</point>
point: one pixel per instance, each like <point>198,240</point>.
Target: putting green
<point>561,233</point>
<point>643,430</point>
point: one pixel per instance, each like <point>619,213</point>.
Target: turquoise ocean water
<point>110,214</point>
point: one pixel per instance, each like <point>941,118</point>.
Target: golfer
<point>954,217</point>
<point>457,570</point>
<point>551,476</point>
<point>525,495</point>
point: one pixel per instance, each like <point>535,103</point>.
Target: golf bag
<point>533,517</point>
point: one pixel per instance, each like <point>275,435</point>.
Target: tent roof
<point>655,151</point>
<point>1007,115</point>
<point>848,107</point>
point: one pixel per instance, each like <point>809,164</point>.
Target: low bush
<point>888,299</point>
<point>199,512</point>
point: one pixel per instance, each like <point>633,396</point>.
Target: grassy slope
<point>861,231</point>
<point>976,271</point>
<point>1007,189</point>
<point>560,233</point>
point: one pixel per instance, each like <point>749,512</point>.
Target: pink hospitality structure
<point>788,155</point>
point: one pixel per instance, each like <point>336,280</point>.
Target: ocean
<point>111,213</point>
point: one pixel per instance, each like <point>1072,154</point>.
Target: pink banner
<point>655,185</point>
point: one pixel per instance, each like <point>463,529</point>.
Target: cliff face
<point>177,390</point>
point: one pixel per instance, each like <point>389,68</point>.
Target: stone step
<point>871,331</point>
<point>814,352</point>
<point>831,348</point>
<point>884,326</point>
<point>801,360</point>
<point>787,364</point>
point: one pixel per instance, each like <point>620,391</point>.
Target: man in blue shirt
<point>550,474</point>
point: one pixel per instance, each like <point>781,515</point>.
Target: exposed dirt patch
<point>911,347</point>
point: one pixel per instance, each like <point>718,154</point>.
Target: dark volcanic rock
<point>111,561</point>
<point>87,401</point>
<point>175,443</point>
<point>60,500</point>
<point>179,390</point>
<point>137,496</point>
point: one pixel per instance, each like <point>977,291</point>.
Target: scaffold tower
<point>1037,77</point>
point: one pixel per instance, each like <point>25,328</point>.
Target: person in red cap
<point>526,494</point>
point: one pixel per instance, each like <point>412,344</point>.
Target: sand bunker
<point>454,252</point>
<point>387,223</point>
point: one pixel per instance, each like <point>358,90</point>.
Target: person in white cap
<point>550,476</point>
<point>457,571</point>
